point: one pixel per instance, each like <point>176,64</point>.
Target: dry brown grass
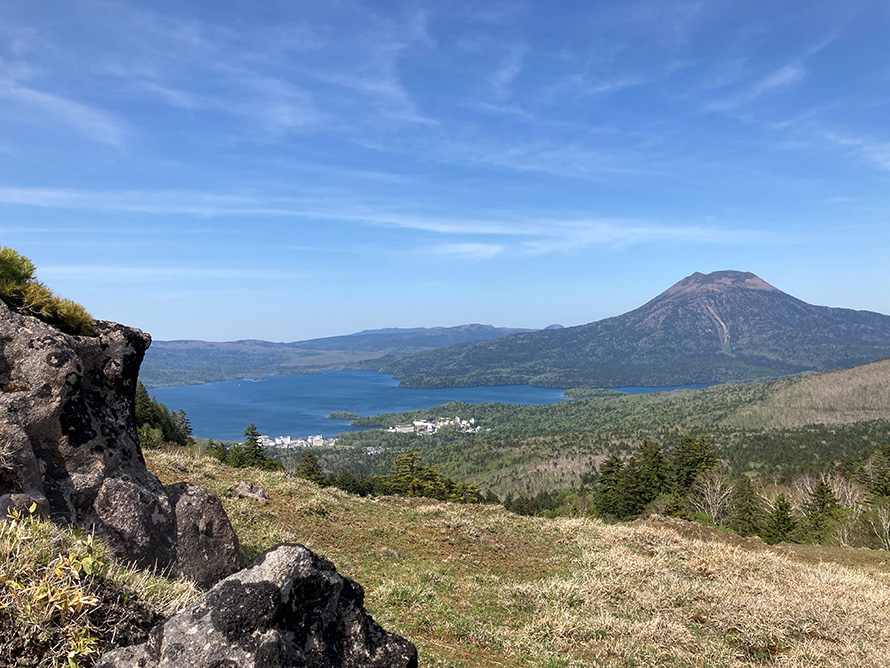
<point>477,586</point>
<point>833,397</point>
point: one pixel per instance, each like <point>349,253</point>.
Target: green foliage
<point>63,599</point>
<point>310,469</point>
<point>150,438</point>
<point>690,458</point>
<point>24,294</point>
<point>746,513</point>
<point>157,424</point>
<point>217,450</point>
<point>608,498</point>
<point>820,512</point>
<point>250,453</point>
<point>409,476</point>
<point>878,472</point>
<point>780,524</point>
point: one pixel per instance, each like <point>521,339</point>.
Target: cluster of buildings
<point>286,442</point>
<point>432,426</point>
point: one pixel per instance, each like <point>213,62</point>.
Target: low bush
<point>24,294</point>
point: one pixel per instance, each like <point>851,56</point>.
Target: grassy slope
<point>476,586</point>
<point>832,397</point>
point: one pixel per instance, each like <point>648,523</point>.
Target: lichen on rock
<point>291,608</point>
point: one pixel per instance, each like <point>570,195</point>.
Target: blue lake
<point>299,405</point>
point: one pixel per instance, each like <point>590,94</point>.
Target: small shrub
<point>63,601</point>
<point>24,294</point>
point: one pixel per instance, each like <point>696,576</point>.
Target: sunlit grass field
<point>478,586</point>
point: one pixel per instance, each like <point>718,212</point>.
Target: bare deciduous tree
<point>710,495</point>
<point>880,523</point>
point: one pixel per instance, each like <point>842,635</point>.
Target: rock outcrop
<point>247,490</point>
<point>291,608</point>
<point>68,440</point>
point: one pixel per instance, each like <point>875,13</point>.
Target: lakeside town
<point>433,426</point>
<point>416,427</point>
<point>288,442</point>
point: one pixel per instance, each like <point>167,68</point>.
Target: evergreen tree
<point>879,473</point>
<point>218,450</point>
<point>780,524</point>
<point>745,508</point>
<point>629,492</point>
<point>174,427</point>
<point>409,476</point>
<point>820,511</point>
<point>689,459</point>
<point>310,469</point>
<point>251,453</point>
<point>676,506</point>
<point>607,496</point>
<point>653,472</point>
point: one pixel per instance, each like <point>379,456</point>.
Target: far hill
<point>190,361</point>
<point>708,328</point>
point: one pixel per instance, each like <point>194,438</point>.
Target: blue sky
<point>286,170</point>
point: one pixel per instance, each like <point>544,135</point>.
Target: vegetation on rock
<point>64,600</point>
<point>24,294</point>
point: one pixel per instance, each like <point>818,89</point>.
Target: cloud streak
<point>96,125</point>
<point>784,76</point>
<point>521,233</point>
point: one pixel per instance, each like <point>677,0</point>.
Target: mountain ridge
<point>185,361</point>
<point>717,327</point>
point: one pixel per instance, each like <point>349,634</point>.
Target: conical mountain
<point>723,326</point>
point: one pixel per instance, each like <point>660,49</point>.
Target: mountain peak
<point>718,281</point>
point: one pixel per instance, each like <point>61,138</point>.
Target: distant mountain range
<point>191,361</point>
<point>718,327</point>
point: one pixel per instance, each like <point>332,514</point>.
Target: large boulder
<point>68,441</point>
<point>291,608</point>
<point>206,544</point>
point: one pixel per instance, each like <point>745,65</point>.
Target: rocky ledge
<point>291,608</point>
<point>68,444</point>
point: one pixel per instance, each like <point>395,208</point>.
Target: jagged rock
<point>291,608</point>
<point>68,433</point>
<point>207,546</point>
<point>248,490</point>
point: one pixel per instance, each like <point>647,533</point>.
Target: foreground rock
<point>291,608</point>
<point>68,443</point>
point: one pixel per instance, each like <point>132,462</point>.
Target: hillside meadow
<point>478,586</point>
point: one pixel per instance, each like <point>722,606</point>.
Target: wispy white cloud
<point>573,236</point>
<point>467,251</point>
<point>781,78</point>
<point>509,67</point>
<point>515,233</point>
<point>873,151</point>
<point>48,108</point>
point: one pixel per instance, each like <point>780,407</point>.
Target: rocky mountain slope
<point>718,327</point>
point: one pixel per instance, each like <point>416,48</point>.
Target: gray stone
<point>248,490</point>
<point>208,548</point>
<point>291,608</point>
<point>68,435</point>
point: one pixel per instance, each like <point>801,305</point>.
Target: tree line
<point>843,506</point>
